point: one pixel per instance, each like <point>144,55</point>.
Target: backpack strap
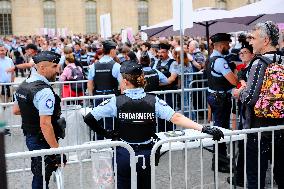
<point>73,71</point>
<point>264,59</point>
<point>250,100</point>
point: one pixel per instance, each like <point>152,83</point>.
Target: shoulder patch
<point>104,102</point>
<point>49,103</point>
<point>163,103</point>
<point>226,65</point>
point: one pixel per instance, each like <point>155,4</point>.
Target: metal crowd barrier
<point>197,140</point>
<point>62,88</point>
<point>70,175</point>
<point>77,132</point>
<point>196,111</point>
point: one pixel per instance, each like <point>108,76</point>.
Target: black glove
<point>112,134</point>
<point>51,163</point>
<point>95,125</point>
<point>61,123</point>
<point>55,159</point>
<point>215,132</point>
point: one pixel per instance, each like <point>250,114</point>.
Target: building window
<point>5,17</point>
<point>49,14</point>
<point>91,16</point>
<point>252,1</point>
<point>221,4</point>
<point>143,13</point>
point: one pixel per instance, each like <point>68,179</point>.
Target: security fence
<point>193,139</point>
<point>62,88</point>
<point>184,164</point>
<point>74,108</point>
<point>79,88</point>
<point>94,166</point>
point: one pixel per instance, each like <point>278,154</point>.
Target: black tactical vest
<point>136,119</point>
<point>217,83</point>
<point>152,79</point>
<point>29,113</point>
<point>166,71</point>
<point>104,82</point>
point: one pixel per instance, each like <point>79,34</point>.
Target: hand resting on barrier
<point>183,121</point>
<point>215,132</point>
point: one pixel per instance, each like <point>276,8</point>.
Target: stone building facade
<point>26,17</point>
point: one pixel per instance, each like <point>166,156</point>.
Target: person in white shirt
<point>5,77</point>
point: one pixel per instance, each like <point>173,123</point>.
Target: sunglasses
<point>268,28</point>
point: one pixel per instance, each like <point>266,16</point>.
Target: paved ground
<point>72,172</point>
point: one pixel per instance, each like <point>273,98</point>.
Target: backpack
<point>77,75</point>
<point>271,98</point>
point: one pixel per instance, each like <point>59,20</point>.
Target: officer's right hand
<point>215,132</point>
<point>111,134</point>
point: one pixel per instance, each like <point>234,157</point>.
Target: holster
<point>157,156</point>
<point>61,124</point>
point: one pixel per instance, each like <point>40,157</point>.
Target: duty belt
<point>147,145</point>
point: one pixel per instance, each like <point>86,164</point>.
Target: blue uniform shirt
<point>108,107</point>
<point>220,66</point>
<point>44,99</point>
<point>162,78</point>
<point>174,68</point>
<point>115,70</point>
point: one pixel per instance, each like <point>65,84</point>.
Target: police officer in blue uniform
<point>136,113</point>
<point>169,67</point>
<point>153,77</point>
<point>221,80</point>
<point>40,110</point>
<point>104,76</point>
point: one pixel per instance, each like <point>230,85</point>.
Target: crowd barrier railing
<point>79,88</point>
<point>62,88</point>
<point>77,132</point>
<point>74,108</point>
<point>193,140</point>
<point>16,163</point>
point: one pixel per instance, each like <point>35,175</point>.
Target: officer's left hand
<point>215,132</point>
<point>58,159</point>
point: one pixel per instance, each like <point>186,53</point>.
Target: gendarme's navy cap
<point>220,37</point>
<point>47,56</point>
<point>165,46</point>
<point>131,67</point>
<point>108,44</point>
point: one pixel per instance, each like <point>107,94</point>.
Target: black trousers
<point>221,105</point>
<point>265,155</point>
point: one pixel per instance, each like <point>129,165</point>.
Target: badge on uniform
<point>163,103</point>
<point>104,102</point>
<point>49,103</point>
<point>226,65</point>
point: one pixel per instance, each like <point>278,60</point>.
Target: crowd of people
<point>111,67</point>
